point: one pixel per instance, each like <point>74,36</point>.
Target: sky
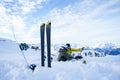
<point>72,21</point>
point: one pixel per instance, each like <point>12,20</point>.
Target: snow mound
<point>13,66</point>
<point>8,46</point>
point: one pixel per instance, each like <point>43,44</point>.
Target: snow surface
<point>13,66</point>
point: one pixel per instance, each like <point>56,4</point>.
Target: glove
<point>82,48</point>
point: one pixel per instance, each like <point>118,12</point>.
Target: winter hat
<point>68,45</point>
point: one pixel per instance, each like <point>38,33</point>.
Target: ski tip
<point>48,23</point>
<point>42,24</point>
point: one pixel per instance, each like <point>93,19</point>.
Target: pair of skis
<point>46,27</point>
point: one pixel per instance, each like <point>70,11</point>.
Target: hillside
<point>14,67</point>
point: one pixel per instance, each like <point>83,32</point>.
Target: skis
<point>42,37</point>
<point>48,38</point>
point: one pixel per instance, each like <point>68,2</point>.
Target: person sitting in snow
<point>65,53</point>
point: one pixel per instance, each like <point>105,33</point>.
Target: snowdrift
<point>13,65</point>
<point>8,46</point>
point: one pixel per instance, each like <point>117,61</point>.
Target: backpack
<point>63,49</point>
<point>23,46</point>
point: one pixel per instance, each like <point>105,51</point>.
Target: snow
<point>14,67</point>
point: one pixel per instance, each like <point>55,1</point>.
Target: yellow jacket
<point>69,51</point>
